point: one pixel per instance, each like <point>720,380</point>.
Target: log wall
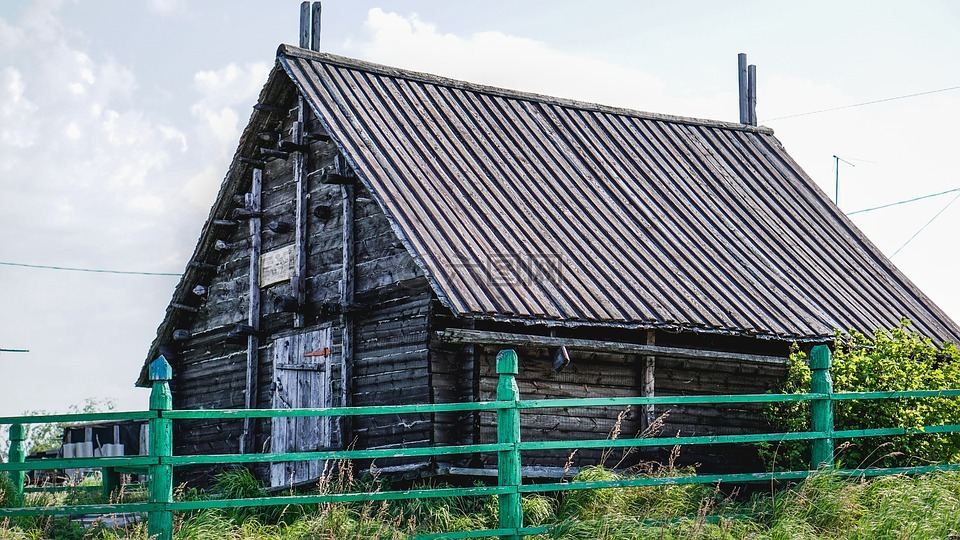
<point>391,316</point>
<point>618,375</point>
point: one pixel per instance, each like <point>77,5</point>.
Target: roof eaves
<point>652,325</point>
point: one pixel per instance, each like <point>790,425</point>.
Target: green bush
<point>7,494</point>
<point>898,359</point>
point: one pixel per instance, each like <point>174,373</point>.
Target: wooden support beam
<point>207,267</point>
<point>258,163</point>
<point>276,154</point>
<point>298,281</point>
<point>184,307</point>
<point>331,178</point>
<point>482,337</point>
<point>317,136</point>
<point>279,226</point>
<point>253,316</point>
<point>292,146</point>
<point>648,382</point>
<point>246,213</point>
<point>347,289</point>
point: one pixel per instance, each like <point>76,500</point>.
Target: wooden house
<point>381,234</point>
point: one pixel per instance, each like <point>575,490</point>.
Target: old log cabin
<point>381,234</point>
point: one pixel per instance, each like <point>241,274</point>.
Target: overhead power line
<point>94,270</point>
<point>884,100</point>
<point>926,225</point>
<point>903,202</point>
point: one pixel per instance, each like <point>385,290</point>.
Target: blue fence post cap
<point>161,370</point>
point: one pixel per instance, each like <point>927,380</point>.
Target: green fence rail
<point>509,449</point>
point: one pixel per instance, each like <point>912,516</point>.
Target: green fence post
<point>821,409</point>
<point>17,455</point>
<point>160,522</point>
<point>110,482</point>
<point>508,431</point>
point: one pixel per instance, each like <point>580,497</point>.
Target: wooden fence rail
<point>509,448</point>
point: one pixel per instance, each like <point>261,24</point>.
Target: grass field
<point>824,506</point>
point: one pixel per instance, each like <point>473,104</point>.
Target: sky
<point>118,119</point>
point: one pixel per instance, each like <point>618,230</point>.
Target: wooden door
<point>301,367</point>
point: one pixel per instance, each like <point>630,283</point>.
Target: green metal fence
<point>509,448</point>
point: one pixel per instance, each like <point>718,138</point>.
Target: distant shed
<point>381,234</point>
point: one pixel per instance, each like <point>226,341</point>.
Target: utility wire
<point>94,270</point>
<point>862,104</point>
<point>925,225</point>
<point>903,202</point>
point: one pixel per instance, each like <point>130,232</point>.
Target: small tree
<point>898,359</point>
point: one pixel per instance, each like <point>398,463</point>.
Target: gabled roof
<point>535,209</point>
<point>532,209</point>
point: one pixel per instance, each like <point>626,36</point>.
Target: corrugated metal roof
<point>525,207</point>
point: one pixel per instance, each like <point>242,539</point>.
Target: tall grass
<point>824,506</point>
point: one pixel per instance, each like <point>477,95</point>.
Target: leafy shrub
<point>7,494</point>
<point>898,359</point>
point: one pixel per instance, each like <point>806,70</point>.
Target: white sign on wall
<point>276,266</point>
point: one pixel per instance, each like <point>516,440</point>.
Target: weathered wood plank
<point>253,312</point>
<point>463,336</point>
<point>300,210</point>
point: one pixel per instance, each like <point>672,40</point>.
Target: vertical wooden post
<point>160,522</point>
<point>821,409</point>
<point>347,296</point>
<point>315,26</point>
<point>253,315</point>
<point>17,455</point>
<point>743,84</point>
<point>110,482</point>
<point>304,25</point>
<point>649,385</point>
<point>508,431</point>
<point>299,281</point>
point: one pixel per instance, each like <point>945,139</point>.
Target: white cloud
<point>499,59</point>
<point>10,36</point>
<point>224,93</point>
<point>15,110</point>
<point>201,188</point>
<point>232,84</point>
<point>90,178</point>
<point>167,7</point>
<point>223,123</point>
<point>73,131</point>
<point>173,134</point>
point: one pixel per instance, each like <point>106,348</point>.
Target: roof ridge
<point>429,78</point>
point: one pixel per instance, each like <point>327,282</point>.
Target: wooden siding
<point>616,375</point>
<point>391,316</point>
